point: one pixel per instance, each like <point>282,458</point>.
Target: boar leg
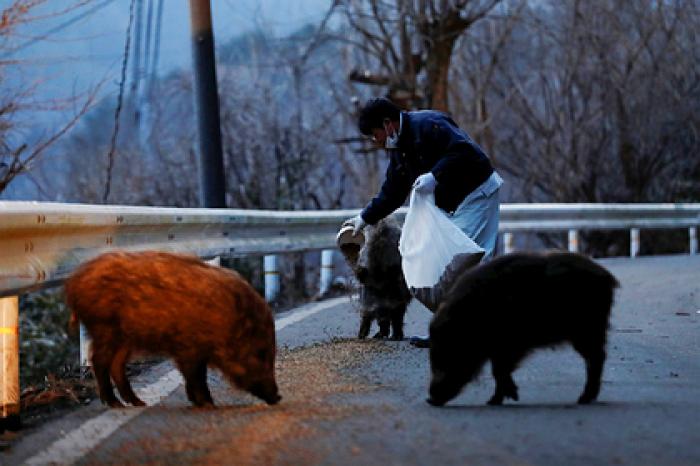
<point>195,375</point>
<point>365,325</point>
<point>502,368</point>
<point>397,324</point>
<point>594,355</point>
<point>102,355</point>
<point>118,372</point>
<point>383,329</point>
<point>384,324</point>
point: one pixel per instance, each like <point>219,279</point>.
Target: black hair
<point>374,112</point>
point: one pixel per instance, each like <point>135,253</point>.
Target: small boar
<point>384,295</point>
<point>504,309</point>
<point>174,305</point>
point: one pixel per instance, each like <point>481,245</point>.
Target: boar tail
<point>73,322</point>
<point>69,295</point>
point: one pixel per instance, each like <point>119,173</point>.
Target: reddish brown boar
<point>177,306</point>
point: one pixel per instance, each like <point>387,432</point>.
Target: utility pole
<point>211,163</point>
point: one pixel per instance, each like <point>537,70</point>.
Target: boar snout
<point>266,391</point>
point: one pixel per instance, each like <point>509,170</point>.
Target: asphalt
<point>362,402</point>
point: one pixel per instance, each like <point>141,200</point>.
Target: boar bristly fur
<point>384,294</point>
<point>177,306</point>
<point>502,310</point>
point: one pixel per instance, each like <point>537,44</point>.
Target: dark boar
<point>502,310</point>
<point>384,295</point>
<point>178,306</point>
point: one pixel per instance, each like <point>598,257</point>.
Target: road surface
<point>349,402</point>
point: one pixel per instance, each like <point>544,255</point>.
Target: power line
<point>147,47</point>
<point>156,48</point>
<point>136,71</point>
<point>113,144</point>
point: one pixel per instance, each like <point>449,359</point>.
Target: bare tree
<point>19,151</point>
<point>275,120</point>
<point>478,55</point>
<point>407,45</point>
<point>596,101</point>
<point>165,174</point>
<point>607,90</point>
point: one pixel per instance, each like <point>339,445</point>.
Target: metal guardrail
<point>41,243</point>
<point>562,217</point>
<point>575,217</point>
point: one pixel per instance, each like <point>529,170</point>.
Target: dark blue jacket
<point>430,141</point>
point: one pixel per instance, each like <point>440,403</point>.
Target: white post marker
<point>272,278</point>
<point>573,240</point>
<point>85,345</point>
<point>634,242</point>
<point>508,243</point>
<point>214,261</point>
<point>9,356</point>
<point>693,233</point>
<point>326,270</point>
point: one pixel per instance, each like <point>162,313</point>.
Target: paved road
<point>351,402</point>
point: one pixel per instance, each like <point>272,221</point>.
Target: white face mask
<point>392,140</point>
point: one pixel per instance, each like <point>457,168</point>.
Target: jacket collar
<point>405,139</point>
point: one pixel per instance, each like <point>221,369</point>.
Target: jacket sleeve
<point>396,186</point>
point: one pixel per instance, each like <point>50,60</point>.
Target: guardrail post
<point>272,278</point>
<point>9,361</point>
<point>326,270</point>
<point>85,345</point>
<point>634,242</point>
<point>693,233</point>
<point>573,240</point>
<point>508,243</point>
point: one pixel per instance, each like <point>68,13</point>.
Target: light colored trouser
<point>478,215</point>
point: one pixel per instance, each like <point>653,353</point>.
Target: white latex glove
<point>357,222</point>
<point>425,184</point>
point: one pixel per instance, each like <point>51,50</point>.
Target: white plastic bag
<point>433,250</point>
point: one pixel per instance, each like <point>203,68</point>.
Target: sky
<point>91,47</point>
